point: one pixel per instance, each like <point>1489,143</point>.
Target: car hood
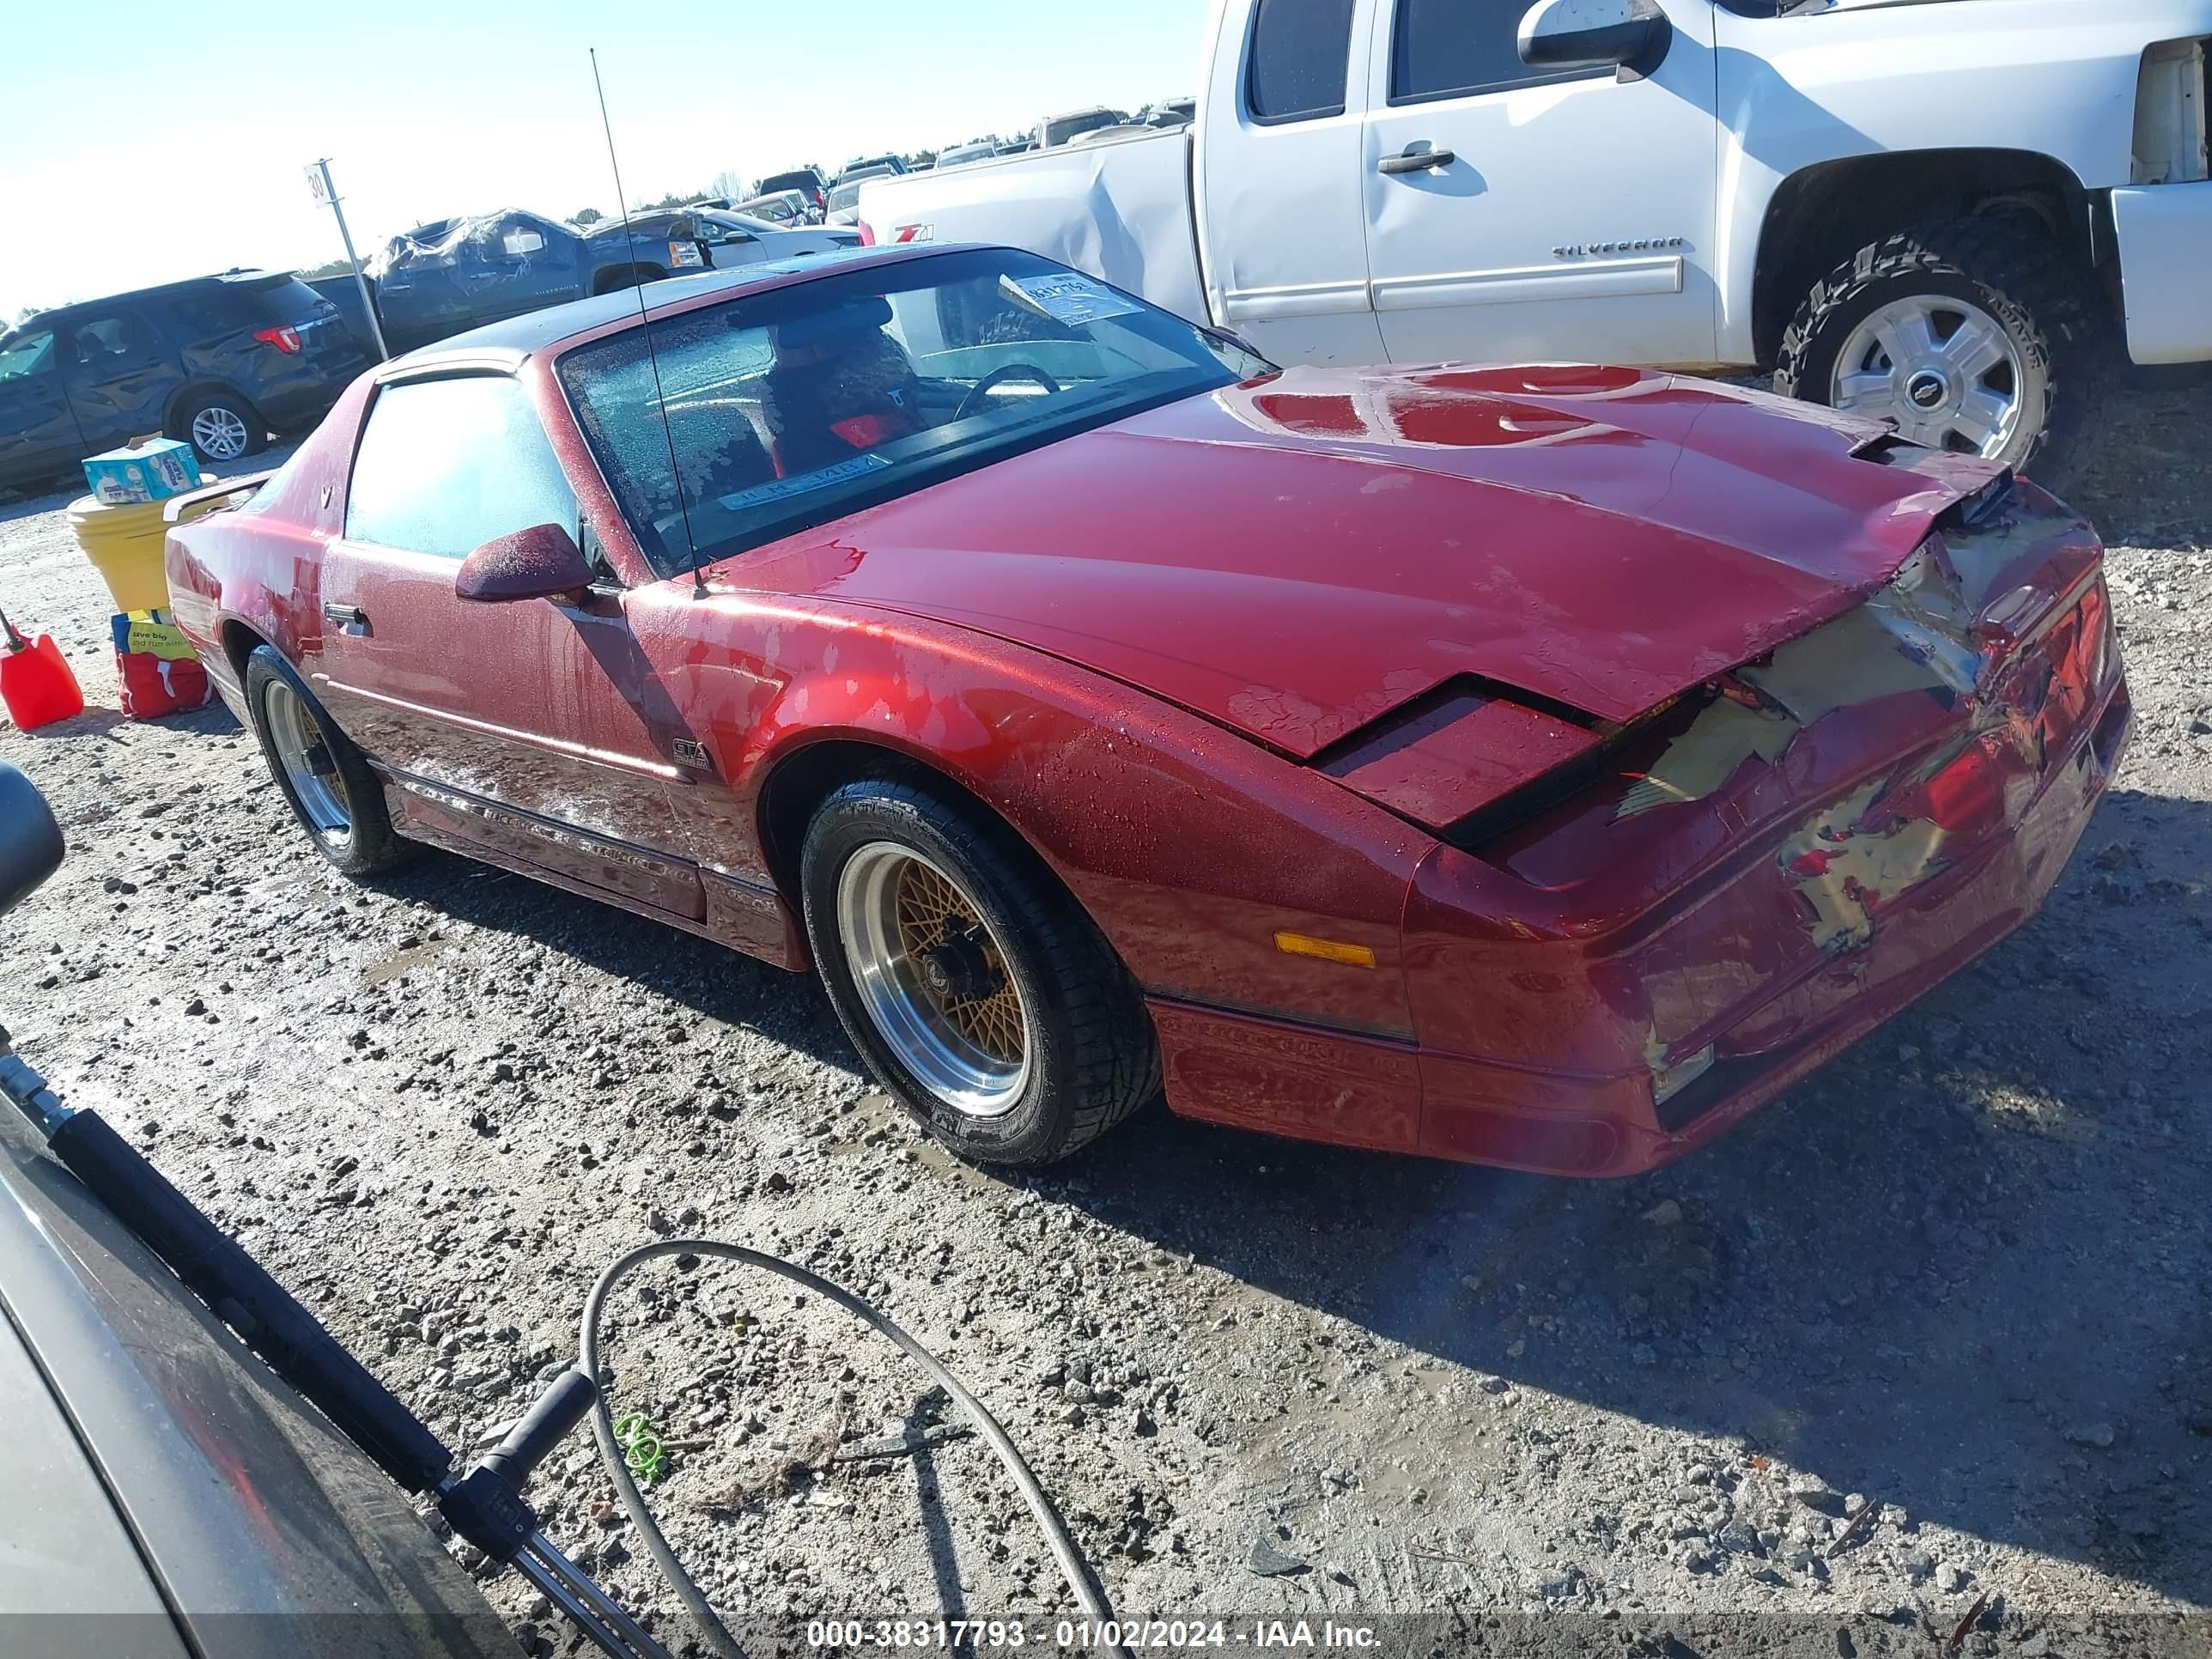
<point>1298,556</point>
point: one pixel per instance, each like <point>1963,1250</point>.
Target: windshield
<point>791,407</point>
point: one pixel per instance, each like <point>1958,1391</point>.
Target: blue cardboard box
<point>154,471</point>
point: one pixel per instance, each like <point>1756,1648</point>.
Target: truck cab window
<point>1299,52</point>
<point>1451,48</point>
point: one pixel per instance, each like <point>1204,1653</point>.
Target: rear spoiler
<point>182,509</point>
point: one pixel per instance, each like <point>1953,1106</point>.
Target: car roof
<point>238,275</point>
<point>536,331</point>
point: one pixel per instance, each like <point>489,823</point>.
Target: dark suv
<point>220,361</point>
<point>807,181</point>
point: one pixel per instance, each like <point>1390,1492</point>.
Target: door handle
<point>346,615</point>
<point>1415,161</point>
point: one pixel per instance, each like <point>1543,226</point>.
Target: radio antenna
<point>659,398</point>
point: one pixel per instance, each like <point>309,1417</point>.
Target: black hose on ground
<point>1073,1568</point>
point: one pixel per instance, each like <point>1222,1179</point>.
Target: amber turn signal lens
<point>1328,950</point>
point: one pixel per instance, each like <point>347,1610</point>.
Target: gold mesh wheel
<point>934,978</point>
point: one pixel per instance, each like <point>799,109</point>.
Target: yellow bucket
<point>123,543</point>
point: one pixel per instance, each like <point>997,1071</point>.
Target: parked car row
<point>224,361</point>
<point>456,274</point>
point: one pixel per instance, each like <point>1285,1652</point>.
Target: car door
<point>528,726</point>
<point>519,264</point>
<point>118,373</point>
<point>1279,200</point>
<point>1575,216</point>
<point>38,435</point>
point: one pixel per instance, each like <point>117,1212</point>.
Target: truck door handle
<point>346,615</point>
<point>1415,161</point>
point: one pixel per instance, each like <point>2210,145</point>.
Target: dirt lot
<point>1961,1275</point>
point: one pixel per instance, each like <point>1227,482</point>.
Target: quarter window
<point>1451,48</point>
<point>1299,51</point>
<point>446,466</point>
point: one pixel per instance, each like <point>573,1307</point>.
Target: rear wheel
<point>1979,336</point>
<point>222,426</point>
<point>977,990</point>
<point>324,779</point>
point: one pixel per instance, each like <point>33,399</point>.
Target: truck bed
<point>1120,208</point>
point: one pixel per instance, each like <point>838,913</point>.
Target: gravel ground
<point>1956,1283</point>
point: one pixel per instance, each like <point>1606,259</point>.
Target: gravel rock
<point>1268,1562</point>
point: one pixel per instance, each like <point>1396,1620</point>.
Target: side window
<point>1300,49</point>
<point>445,465</point>
<point>120,337</point>
<point>1450,48</point>
<point>203,316</point>
<point>27,355</point>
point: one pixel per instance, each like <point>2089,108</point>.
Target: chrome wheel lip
<point>296,736</point>
<point>219,433</point>
<point>1945,350</point>
<point>896,1002</point>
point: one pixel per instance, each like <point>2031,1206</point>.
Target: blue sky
<point>139,143</point>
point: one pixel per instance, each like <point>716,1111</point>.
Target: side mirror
<point>30,840</point>
<point>541,562</point>
<point>1566,35</point>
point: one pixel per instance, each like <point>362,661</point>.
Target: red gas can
<point>35,682</point>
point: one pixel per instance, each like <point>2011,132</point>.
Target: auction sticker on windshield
<point>820,479</point>
<point>1067,297</point>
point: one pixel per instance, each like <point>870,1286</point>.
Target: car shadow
<point>2152,441</point>
<point>710,979</point>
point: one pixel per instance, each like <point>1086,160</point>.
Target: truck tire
<point>1980,335</point>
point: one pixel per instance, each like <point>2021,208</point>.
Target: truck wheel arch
<point>610,277</point>
<point>1821,214</point>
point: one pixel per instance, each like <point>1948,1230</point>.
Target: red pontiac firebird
<point>1536,765</point>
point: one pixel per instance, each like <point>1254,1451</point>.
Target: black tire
<point>369,845</point>
<point>221,404</point>
<point>2059,324</point>
<point>1093,1057</point>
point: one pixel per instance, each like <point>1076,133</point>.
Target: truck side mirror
<point>1569,34</point>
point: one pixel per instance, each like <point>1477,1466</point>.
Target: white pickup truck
<point>1958,215</point>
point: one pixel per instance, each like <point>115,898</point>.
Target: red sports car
<point>1536,766</point>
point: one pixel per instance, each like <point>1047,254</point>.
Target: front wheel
<point>1979,335</point>
<point>324,780</point>
<point>977,990</point>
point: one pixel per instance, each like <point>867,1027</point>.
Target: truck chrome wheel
<point>932,979</point>
<point>309,766</point>
<point>221,433</point>
<point>1943,369</point>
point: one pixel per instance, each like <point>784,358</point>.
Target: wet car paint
<point>1078,637</point>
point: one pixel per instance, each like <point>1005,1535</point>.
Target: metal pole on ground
<point>318,182</point>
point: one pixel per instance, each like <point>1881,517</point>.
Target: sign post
<point>326,195</point>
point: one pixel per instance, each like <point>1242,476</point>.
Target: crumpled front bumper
<point>1774,873</point>
<point>2164,233</point>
